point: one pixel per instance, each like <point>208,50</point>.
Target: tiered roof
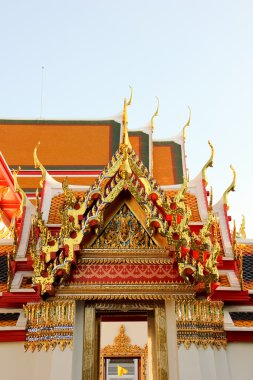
<point>130,170</point>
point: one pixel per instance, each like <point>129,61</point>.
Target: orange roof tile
<point>245,248</point>
<point>4,249</point>
<point>191,202</point>
<point>8,319</point>
<point>222,252</point>
<point>223,279</point>
<point>56,204</point>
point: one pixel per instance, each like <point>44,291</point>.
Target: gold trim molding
<point>122,347</point>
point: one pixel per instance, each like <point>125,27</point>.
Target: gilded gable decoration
<point>165,220</point>
<point>122,347</point>
<point>124,231</point>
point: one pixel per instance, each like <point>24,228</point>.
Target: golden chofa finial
<point>126,104</point>
<point>209,163</point>
<point>18,189</point>
<point>242,231</point>
<point>155,114</point>
<point>38,164</point>
<point>187,123</point>
<point>230,188</point>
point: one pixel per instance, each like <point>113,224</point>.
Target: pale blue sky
<point>186,52</point>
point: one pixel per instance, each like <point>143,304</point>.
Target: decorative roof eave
<point>221,208</point>
<point>45,176</point>
<point>198,186</point>
<point>52,189</point>
<point>25,231</point>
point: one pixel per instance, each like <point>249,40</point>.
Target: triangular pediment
<point>124,231</point>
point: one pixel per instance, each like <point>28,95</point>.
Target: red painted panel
<point>125,273</point>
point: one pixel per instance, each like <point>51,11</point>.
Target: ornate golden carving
<point>49,324</point>
<point>167,223</point>
<point>161,343</point>
<point>154,115</point>
<point>200,323</point>
<point>20,191</point>
<point>122,347</point>
<point>142,291</point>
<point>242,232</point>
<point>124,231</point>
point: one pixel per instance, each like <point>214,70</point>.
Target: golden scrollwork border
<point>122,347</point>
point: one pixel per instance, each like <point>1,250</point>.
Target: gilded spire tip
<point>155,114</point>
<point>209,163</point>
<point>19,190</point>
<point>242,228</point>
<point>187,124</point>
<point>231,187</point>
<point>127,103</point>
<point>38,164</point>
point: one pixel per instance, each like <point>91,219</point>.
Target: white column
<point>207,363</point>
<point>221,362</point>
<point>189,364</point>
<point>172,339</point>
<point>77,361</point>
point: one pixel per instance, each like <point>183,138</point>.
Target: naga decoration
<point>231,187</point>
<point>154,115</point>
<point>208,164</point>
<point>84,224</point>
<point>38,164</point>
<point>187,124</point>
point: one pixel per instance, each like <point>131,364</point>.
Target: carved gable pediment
<point>124,231</point>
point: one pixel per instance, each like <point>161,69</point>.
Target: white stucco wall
<point>234,363</point>
<point>137,332</point>
<point>17,364</point>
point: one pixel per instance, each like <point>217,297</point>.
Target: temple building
<point>113,262</point>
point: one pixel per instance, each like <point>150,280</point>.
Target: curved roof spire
<point>125,139</point>
<point>38,164</point>
<point>208,164</point>
<point>19,190</point>
<point>155,114</point>
<point>187,124</point>
<point>231,187</point>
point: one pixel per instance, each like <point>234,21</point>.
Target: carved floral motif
<point>124,231</point>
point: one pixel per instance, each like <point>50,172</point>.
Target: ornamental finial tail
<point>231,187</point>
<point>155,114</point>
<point>125,139</point>
<point>38,164</point>
<point>209,163</point>
<point>187,123</point>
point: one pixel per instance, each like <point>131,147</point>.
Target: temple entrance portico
<point>150,323</point>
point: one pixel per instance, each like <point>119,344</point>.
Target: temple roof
<point>81,148</point>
